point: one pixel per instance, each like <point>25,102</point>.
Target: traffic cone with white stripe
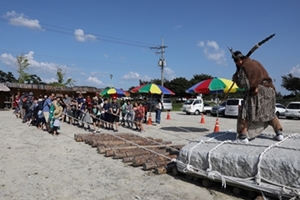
<point>149,122</point>
<point>202,121</point>
<point>168,115</point>
<point>217,128</point>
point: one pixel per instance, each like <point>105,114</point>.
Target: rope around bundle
<point>251,182</point>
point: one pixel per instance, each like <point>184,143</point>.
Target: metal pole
<point>162,66</point>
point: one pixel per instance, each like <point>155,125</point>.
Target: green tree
<point>22,65</point>
<point>157,81</point>
<point>33,79</point>
<point>291,83</point>
<point>141,82</point>
<point>60,79</point>
<point>179,86</point>
<point>198,78</point>
<point>7,77</point>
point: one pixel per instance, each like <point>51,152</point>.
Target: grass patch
<point>177,106</point>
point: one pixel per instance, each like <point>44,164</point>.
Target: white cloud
<point>94,80</point>
<point>200,44</point>
<point>178,27</point>
<point>22,20</point>
<point>81,37</point>
<point>8,59</point>
<point>131,76</point>
<point>135,76</point>
<point>49,80</point>
<point>213,44</point>
<point>213,52</point>
<point>45,67</point>
<point>295,70</point>
<point>169,74</point>
<point>105,56</point>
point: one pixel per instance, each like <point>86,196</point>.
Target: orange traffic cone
<point>217,128</point>
<point>149,122</point>
<point>202,119</point>
<point>168,115</point>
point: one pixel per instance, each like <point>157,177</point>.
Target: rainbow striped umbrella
<point>113,92</point>
<point>152,88</point>
<point>214,85</point>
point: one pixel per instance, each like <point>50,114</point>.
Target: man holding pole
<point>258,109</point>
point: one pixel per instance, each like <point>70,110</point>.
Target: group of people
<point>46,112</point>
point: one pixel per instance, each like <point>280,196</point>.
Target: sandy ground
<point>37,165</point>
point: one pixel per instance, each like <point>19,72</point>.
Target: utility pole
<point>111,76</point>
<point>161,62</point>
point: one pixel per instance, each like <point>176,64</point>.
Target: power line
<point>57,29</point>
<point>68,58</point>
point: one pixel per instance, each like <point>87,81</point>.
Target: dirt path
<point>36,165</point>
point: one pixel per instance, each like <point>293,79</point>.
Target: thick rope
<point>258,175</point>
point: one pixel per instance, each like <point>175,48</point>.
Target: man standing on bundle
<point>258,109</point>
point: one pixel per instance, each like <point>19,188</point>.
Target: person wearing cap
<point>258,108</point>
<point>85,115</point>
<point>123,106</point>
<point>66,106</point>
<point>114,110</point>
<point>28,107</point>
<point>96,115</point>
<point>105,113</point>
<point>16,104</point>
<point>46,108</point>
<point>40,116</point>
<point>55,114</point>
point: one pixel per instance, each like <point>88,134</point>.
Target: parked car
<point>293,110</point>
<point>194,105</point>
<point>207,109</point>
<point>167,104</point>
<point>218,110</point>
<point>279,110</point>
<point>232,107</point>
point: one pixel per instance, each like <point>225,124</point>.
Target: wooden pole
<point>153,165</point>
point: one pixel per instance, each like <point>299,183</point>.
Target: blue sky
<point>92,39</point>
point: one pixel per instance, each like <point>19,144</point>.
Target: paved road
<point>182,128</point>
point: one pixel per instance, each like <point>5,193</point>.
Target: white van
<point>293,110</point>
<point>232,107</point>
<point>195,106</point>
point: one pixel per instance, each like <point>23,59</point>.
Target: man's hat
<point>237,54</point>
